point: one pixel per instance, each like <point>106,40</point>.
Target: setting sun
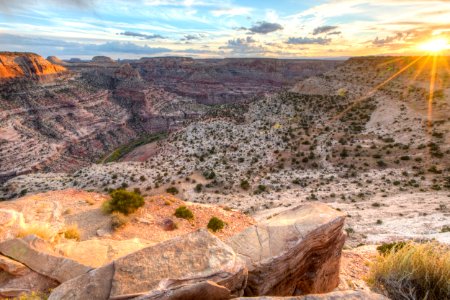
<point>435,45</point>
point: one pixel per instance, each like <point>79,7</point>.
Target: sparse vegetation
<point>72,232</point>
<point>413,271</point>
<point>215,224</point>
<point>125,149</point>
<point>42,230</point>
<point>123,201</point>
<point>172,190</point>
<point>118,220</point>
<point>183,212</point>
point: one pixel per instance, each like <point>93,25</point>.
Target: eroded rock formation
<point>294,253</point>
<point>18,65</point>
<point>187,260</point>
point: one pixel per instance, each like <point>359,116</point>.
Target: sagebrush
<point>413,271</point>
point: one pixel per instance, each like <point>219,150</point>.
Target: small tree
<point>123,201</point>
<point>198,188</point>
<point>215,224</point>
<point>172,190</point>
<point>183,212</point>
<point>245,185</point>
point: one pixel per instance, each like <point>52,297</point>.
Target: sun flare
<point>435,45</point>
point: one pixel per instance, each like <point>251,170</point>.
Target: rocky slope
<point>68,122</point>
<point>332,138</point>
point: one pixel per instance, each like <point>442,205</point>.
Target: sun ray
<point>445,63</point>
<point>375,89</point>
<point>394,60</point>
<point>433,76</point>
<point>415,75</point>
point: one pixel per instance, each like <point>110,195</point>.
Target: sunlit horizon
<point>230,28</point>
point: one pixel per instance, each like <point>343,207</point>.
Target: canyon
<point>60,116</point>
<point>310,164</point>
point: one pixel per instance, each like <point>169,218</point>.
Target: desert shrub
<point>198,188</point>
<point>245,185</point>
<point>445,228</point>
<point>387,248</point>
<point>209,174</point>
<point>414,271</point>
<point>32,296</point>
<point>118,220</point>
<point>72,232</point>
<point>123,201</point>
<point>183,212</point>
<point>215,224</point>
<point>261,189</point>
<point>42,230</point>
<point>172,190</point>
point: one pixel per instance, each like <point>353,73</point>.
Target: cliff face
<point>30,65</point>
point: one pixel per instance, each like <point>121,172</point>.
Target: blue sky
<point>221,28</point>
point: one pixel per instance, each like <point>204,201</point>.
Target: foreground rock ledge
<point>296,252</point>
<point>341,295</point>
<point>156,272</point>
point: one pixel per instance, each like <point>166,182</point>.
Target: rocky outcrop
<point>344,295</point>
<point>182,263</point>
<point>102,59</point>
<point>18,65</point>
<point>96,253</point>
<point>12,286</point>
<point>13,267</point>
<point>37,255</point>
<point>202,290</point>
<point>293,253</point>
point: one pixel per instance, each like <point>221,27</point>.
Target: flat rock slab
<point>203,290</point>
<point>13,267</point>
<point>177,265</point>
<point>293,253</point>
<point>14,286</point>
<point>35,255</point>
<point>97,253</point>
<point>342,295</point>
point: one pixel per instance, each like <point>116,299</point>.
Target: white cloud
<point>231,12</point>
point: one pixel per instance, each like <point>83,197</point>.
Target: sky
<point>221,28</point>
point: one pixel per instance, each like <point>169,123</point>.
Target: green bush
<point>245,185</point>
<point>123,201</point>
<point>172,190</point>
<point>387,248</point>
<point>183,212</point>
<point>209,175</point>
<point>414,271</point>
<point>215,224</point>
<point>198,188</point>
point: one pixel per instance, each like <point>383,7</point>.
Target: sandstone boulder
<point>10,221</point>
<point>202,290</point>
<point>293,253</point>
<point>171,267</point>
<point>95,284</point>
<point>97,253</point>
<point>36,255</point>
<point>13,267</point>
<point>341,295</point>
<point>168,224</point>
<point>14,286</point>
